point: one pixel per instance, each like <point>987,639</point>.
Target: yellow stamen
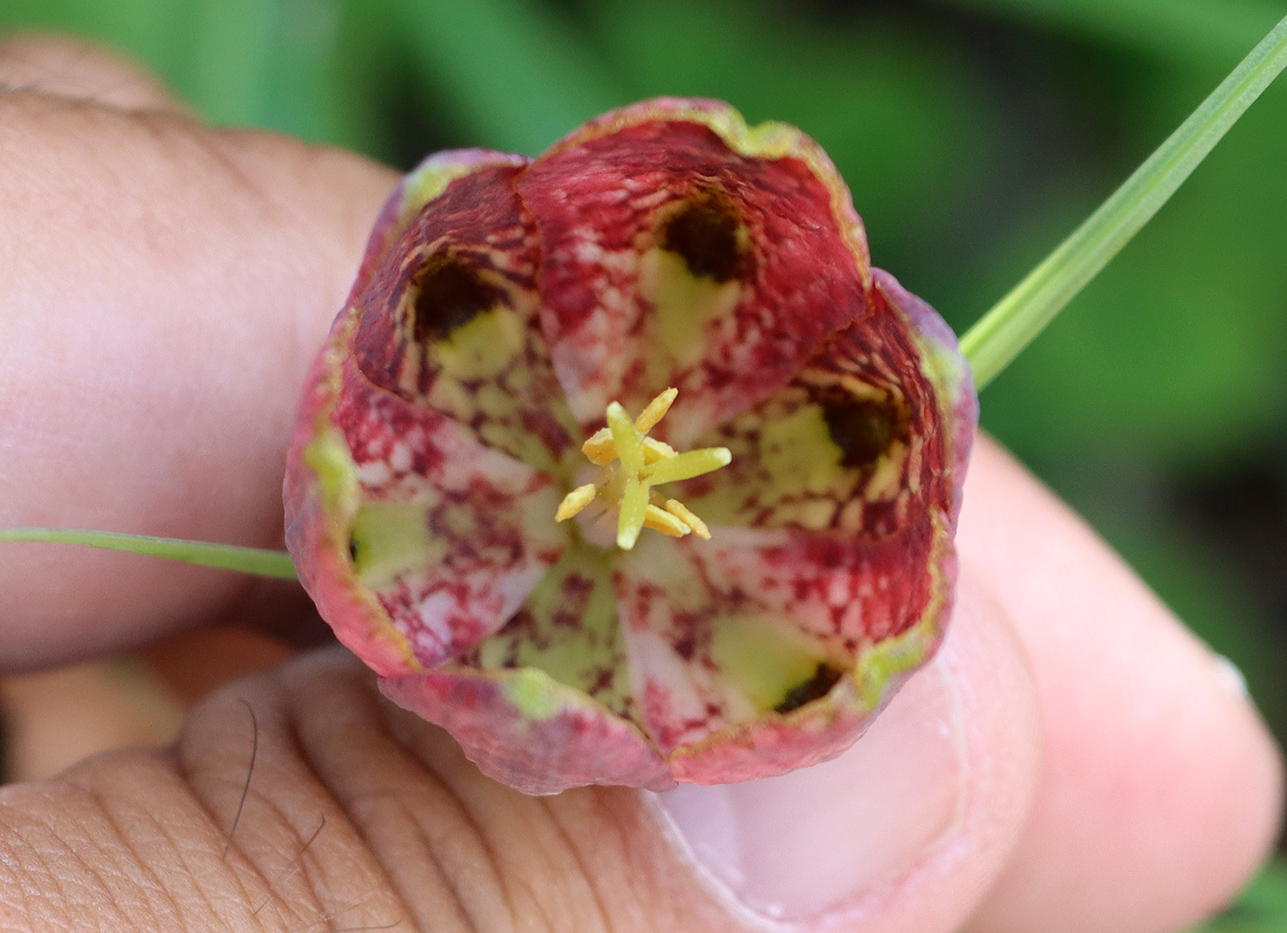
<point>599,449</point>
<point>655,450</point>
<point>668,523</point>
<point>687,465</point>
<point>685,515</point>
<point>575,501</point>
<point>655,411</point>
<point>645,462</point>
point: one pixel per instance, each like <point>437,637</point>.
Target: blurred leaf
<point>277,64</point>
<point>516,75</point>
<point>365,68</point>
<point>232,45</point>
<point>1218,31</point>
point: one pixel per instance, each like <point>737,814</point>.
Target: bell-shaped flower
<point>624,466</point>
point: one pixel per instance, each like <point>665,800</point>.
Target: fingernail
<point>818,841</point>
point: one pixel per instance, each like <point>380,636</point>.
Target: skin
<point>164,287</point>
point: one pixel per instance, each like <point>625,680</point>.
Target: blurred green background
<point>975,134</point>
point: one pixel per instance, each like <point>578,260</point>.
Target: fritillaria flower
<point>624,466</point>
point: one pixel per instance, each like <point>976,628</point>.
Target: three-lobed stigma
<point>633,463</point>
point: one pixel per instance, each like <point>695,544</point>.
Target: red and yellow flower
<point>666,298</point>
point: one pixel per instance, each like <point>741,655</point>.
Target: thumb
<point>906,829</point>
<point>363,816</point>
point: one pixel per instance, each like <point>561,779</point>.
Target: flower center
<point>633,463</point>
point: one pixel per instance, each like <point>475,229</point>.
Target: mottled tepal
<point>666,333</point>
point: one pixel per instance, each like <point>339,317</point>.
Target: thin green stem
<point>260,561</point>
<point>1016,319</point>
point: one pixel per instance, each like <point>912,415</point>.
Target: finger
<point>1160,788</point>
<point>360,814</point>
<point>79,71</point>
<point>165,287</point>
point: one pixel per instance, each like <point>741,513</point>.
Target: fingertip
<point>906,830</point>
<point>1161,788</point>
<point>1145,824</point>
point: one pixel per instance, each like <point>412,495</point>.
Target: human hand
<point>1072,760</point>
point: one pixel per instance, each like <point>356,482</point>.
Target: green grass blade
<point>259,561</point>
<point>1014,321</point>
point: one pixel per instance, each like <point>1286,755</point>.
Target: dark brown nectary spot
<point>447,294</point>
<point>864,429</point>
<point>816,687</point>
<point>704,233</point>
